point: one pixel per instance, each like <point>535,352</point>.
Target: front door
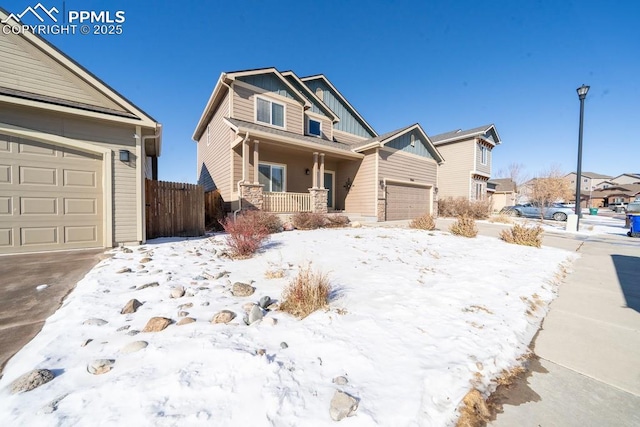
<point>329,180</point>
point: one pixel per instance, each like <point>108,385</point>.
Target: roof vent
<point>459,130</point>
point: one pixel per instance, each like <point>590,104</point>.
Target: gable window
<point>413,140</point>
<point>484,155</point>
<point>272,176</point>
<point>269,112</point>
<point>314,127</point>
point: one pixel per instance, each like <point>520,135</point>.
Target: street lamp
<point>582,94</point>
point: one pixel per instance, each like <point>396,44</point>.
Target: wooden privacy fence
<point>174,209</point>
<point>213,209</point>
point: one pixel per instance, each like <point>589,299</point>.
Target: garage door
<point>50,197</point>
<point>407,201</point>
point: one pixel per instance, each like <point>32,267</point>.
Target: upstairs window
<point>314,127</point>
<point>269,112</point>
<point>483,153</point>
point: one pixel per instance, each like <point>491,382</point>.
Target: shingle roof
<point>459,133</point>
<point>382,137</point>
<point>278,132</point>
<point>594,175</point>
<point>504,184</point>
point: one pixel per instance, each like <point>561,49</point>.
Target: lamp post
<point>582,94</point>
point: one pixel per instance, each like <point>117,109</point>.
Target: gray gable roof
<point>460,134</point>
<point>382,137</point>
<point>278,132</point>
<point>594,175</point>
<point>504,184</point>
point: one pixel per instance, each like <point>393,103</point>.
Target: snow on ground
<point>418,319</point>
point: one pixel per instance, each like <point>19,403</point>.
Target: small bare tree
<point>548,188</point>
<point>515,171</point>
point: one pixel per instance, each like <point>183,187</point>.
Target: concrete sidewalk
<point>589,344</point>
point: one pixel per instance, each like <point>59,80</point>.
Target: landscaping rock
<point>123,328</point>
<point>148,285</point>
<point>273,307</point>
<point>52,406</point>
<point>156,324</point>
<point>183,313</point>
<point>85,342</point>
<point>177,292</point>
<point>342,406</point>
<point>264,302</point>
<point>287,226</point>
<point>199,278</point>
<point>131,306</point>
<point>221,274</point>
<point>126,250</point>
<point>270,321</point>
<point>186,321</point>
<point>124,270</point>
<point>31,380</point>
<point>100,366</point>
<point>145,260</point>
<point>247,306</point>
<point>284,345</point>
<point>225,316</point>
<point>95,322</point>
<point>242,290</point>
<point>133,332</point>
<point>185,306</point>
<point>356,224</point>
<point>132,347</point>
<point>205,304</point>
<point>340,380</point>
<point>255,314</point>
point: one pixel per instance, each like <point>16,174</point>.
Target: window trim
<point>284,176</point>
<point>308,127</point>
<point>484,155</point>
<point>271,102</point>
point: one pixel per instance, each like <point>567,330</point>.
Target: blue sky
<point>444,64</point>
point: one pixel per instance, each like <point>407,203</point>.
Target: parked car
<point>618,207</point>
<point>556,211</point>
<point>633,208</point>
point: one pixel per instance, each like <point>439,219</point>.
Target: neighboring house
<point>468,161</point>
<point>64,136</point>
<point>604,184</point>
<point>503,192</point>
<point>589,182</point>
<point>273,141</point>
<point>616,195</point>
<point>627,178</point>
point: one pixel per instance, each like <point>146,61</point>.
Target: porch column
<point>321,177</point>
<point>245,161</point>
<point>315,171</point>
<point>256,160</point>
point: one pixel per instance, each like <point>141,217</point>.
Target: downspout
<point>235,213</point>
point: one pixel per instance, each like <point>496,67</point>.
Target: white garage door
<point>50,197</point>
<point>407,201</point>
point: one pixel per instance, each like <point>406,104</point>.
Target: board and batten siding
<point>26,68</point>
<point>396,165</point>
<point>479,166</point>
<point>454,179</point>
<point>348,138</point>
<point>244,107</point>
<point>111,135</point>
<point>213,155</point>
<point>419,147</point>
<point>361,198</point>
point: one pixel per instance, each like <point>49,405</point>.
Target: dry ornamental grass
<point>464,226</point>
<point>424,222</point>
<point>308,291</point>
<point>522,235</point>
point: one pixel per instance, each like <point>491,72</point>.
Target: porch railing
<point>286,202</point>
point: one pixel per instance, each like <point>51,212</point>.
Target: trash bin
<point>593,211</point>
<point>635,226</point>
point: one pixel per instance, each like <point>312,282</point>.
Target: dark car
<point>555,211</point>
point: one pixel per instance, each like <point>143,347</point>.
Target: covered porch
<point>281,176</point>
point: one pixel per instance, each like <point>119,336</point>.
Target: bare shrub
<point>464,226</point>
<point>308,291</point>
<point>265,219</point>
<point>424,222</point>
<point>336,221</point>
<point>474,411</point>
<point>501,218</point>
<point>477,209</point>
<point>523,235</point>
<point>245,234</point>
<point>308,220</point>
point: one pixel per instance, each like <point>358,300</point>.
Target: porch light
<point>124,155</point>
<point>347,185</point>
<point>307,171</point>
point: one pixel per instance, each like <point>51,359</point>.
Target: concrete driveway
<point>23,309</point>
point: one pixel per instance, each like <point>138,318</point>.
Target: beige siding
<point>500,200</point>
<point>454,176</point>
<point>400,166</point>
<point>244,107</point>
<point>347,138</point>
<point>113,136</point>
<point>327,130</point>
<point>213,155</point>
<point>361,198</point>
<point>25,68</point>
<point>479,166</point>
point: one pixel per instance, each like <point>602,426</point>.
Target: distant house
<point>503,193</point>
<point>627,178</point>
<point>604,184</point>
<point>468,161</point>
<point>74,153</point>
<point>273,141</point>
<point>589,181</point>
<point>615,195</point>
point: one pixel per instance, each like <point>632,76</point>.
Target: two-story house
<point>468,166</point>
<point>273,141</point>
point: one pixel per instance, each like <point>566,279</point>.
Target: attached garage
<point>52,197</point>
<point>407,201</point>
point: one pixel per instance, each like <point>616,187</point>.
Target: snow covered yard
<point>417,319</point>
